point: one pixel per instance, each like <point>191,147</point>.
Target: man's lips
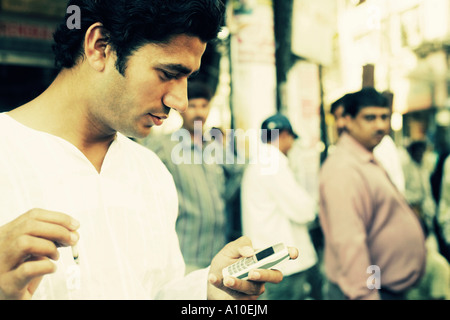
<point>158,119</point>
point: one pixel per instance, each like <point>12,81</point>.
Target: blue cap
<point>280,122</point>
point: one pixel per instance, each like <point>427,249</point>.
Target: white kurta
<point>128,246</point>
<point>275,208</point>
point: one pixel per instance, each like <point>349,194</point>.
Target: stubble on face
<point>155,81</point>
<point>369,126</point>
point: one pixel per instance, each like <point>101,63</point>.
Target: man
<point>275,208</point>
<point>385,152</point>
<point>374,243</point>
<point>435,283</point>
<point>440,185</point>
<point>69,177</point>
<point>418,186</point>
<point>199,178</point>
<point>337,109</point>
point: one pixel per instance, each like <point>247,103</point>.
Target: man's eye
<point>168,76</point>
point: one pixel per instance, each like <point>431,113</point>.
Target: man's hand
<point>233,288</point>
<point>27,246</point>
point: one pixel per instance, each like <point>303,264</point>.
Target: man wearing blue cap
<point>281,123</point>
<point>275,208</point>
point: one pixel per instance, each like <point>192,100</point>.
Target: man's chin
<point>139,133</point>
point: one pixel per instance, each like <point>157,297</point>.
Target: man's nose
<point>340,123</point>
<point>382,123</point>
<point>176,98</point>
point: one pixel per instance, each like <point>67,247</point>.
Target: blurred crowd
<point>374,225</point>
<point>380,228</point>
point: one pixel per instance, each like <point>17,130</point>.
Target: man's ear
<point>348,121</point>
<point>348,117</point>
<point>96,48</point>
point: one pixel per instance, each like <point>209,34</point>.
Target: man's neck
<point>60,111</point>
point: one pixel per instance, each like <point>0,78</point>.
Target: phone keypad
<point>241,265</point>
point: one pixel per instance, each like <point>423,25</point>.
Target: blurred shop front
<point>327,48</point>
<point>308,43</point>
<point>26,58</point>
<point>276,66</point>
<point>406,45</point>
<point>428,114</point>
<point>278,51</point>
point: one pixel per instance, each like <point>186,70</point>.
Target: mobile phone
<point>262,259</point>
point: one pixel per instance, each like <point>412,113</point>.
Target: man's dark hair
<point>416,150</point>
<point>128,25</point>
<point>199,89</point>
<point>339,102</point>
<point>367,97</point>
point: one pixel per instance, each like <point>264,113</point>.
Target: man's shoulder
<point>338,159</point>
<point>340,166</point>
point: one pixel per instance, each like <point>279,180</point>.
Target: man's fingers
<point>53,217</point>
<point>36,233</point>
<point>20,283</point>
<point>266,275</point>
<point>241,247</point>
<point>30,270</point>
<point>54,232</point>
<point>249,288</point>
<point>293,253</point>
<point>246,251</point>
<point>28,246</point>
<point>255,284</point>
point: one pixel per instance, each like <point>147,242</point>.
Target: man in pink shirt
<point>374,243</point>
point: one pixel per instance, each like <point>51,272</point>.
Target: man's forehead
<point>182,54</point>
<point>376,110</point>
<point>199,101</point>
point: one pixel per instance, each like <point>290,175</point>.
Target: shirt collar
<point>349,143</point>
<point>273,151</point>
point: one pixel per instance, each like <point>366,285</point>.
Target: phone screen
<point>265,253</point>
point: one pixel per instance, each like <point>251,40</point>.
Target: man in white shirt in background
<point>275,208</point>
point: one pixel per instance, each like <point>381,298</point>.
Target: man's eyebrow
<point>179,69</point>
